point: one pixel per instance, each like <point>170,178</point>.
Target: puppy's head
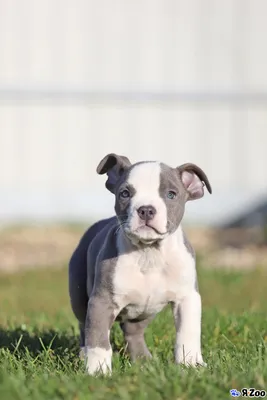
<point>151,196</point>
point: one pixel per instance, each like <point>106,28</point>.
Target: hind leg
<point>134,337</point>
<point>82,340</point>
<point>78,295</point>
<point>79,307</point>
<point>80,279</point>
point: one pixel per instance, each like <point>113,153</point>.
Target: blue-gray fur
<point>78,273</point>
<point>98,245</point>
<point>92,265</point>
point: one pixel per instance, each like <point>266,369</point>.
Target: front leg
<point>98,351</point>
<point>187,315</point>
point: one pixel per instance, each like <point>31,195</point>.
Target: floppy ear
<point>114,166</point>
<point>194,180</point>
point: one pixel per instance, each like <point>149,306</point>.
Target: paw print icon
<point>235,393</point>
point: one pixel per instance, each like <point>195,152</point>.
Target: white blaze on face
<point>145,179</point>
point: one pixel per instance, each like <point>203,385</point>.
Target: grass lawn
<point>39,343</point>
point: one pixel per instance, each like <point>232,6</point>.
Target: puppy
<point>127,268</point>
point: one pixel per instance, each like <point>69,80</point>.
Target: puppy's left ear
<point>194,180</point>
<point>113,165</point>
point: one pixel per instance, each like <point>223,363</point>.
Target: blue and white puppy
<point>128,267</point>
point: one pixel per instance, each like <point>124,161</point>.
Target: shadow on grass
<point>19,341</point>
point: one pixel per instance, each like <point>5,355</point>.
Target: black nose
<point>146,212</point>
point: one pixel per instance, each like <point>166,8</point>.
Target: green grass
<point>39,343</point>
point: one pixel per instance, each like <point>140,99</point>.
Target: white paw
<point>98,360</point>
<point>192,358</point>
<point>82,353</point>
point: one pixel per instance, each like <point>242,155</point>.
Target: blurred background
<point>176,81</point>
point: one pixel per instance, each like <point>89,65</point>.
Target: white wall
<point>171,80</point>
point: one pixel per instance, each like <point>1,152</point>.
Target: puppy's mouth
<point>146,226</point>
<point>145,234</point>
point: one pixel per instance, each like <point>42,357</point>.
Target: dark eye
<point>171,195</point>
<point>125,194</point>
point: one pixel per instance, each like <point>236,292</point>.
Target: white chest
<point>145,281</point>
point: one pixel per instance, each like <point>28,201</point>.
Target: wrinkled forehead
<point>145,176</point>
<point>151,176</point>
<point>169,177</point>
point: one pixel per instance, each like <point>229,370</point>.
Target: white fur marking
<point>146,280</point>
<point>188,346</point>
<point>98,360</point>
<point>145,178</point>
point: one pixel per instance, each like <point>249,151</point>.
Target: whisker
<point>171,224</point>
<point>123,215</point>
<point>120,225</point>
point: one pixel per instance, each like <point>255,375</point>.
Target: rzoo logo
<point>251,392</point>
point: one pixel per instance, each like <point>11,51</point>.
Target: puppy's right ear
<point>114,166</point>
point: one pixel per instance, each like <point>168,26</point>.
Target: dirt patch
<point>237,258</point>
<point>33,247</point>
<point>42,246</point>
